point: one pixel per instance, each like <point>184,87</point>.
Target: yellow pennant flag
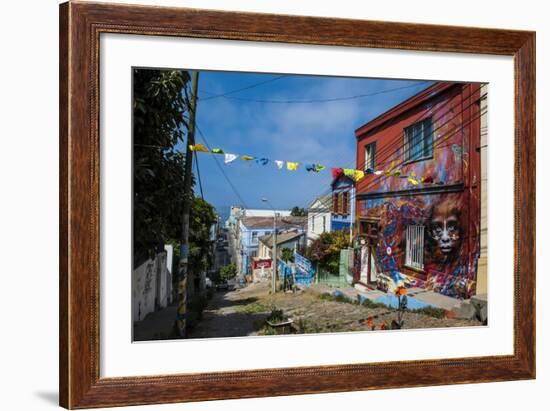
<point>359,175</point>
<point>291,166</point>
<point>198,147</point>
<point>247,158</point>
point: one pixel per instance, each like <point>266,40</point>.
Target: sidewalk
<point>157,325</point>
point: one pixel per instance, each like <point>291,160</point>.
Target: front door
<point>369,232</point>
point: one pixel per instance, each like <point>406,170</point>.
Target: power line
<point>353,197</point>
<point>328,100</point>
<point>437,145</point>
<point>398,135</point>
<point>378,178</point>
<point>390,154</point>
<point>220,167</point>
<point>241,89</point>
<point>216,160</point>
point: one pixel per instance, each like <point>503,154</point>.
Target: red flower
<point>370,323</point>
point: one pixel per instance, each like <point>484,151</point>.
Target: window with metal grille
<point>414,252</point>
<point>419,140</point>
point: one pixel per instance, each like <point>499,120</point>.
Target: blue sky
<point>306,133</point>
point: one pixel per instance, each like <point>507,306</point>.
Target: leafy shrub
<point>228,272</point>
<point>276,316</point>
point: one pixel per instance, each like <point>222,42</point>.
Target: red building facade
<point>419,221</point>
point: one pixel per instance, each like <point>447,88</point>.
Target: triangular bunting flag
<point>198,147</point>
<point>292,166</point>
<point>228,158</point>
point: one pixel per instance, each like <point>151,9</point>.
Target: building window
<point>335,203</point>
<point>324,224</point>
<point>313,224</point>
<point>345,203</point>
<point>414,253</point>
<point>254,236</point>
<point>370,156</point>
<point>418,142</point>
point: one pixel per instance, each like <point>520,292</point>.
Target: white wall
<point>315,225</point>
<point>151,286</point>
<point>29,212</point>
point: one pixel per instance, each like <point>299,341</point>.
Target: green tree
<point>200,244</point>
<point>287,255</point>
<point>159,121</point>
<point>298,212</point>
<point>228,272</point>
<point>325,250</point>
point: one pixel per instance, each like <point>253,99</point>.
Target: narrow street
<point>226,316</point>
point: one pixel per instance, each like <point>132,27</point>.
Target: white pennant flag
<point>378,172</point>
<point>279,164</point>
<point>228,157</point>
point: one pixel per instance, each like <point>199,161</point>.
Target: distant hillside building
<point>245,231</point>
<point>236,250</point>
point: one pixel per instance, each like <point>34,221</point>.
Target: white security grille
<point>414,253</point>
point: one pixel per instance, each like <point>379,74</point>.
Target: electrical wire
<point>391,154</point>
<point>315,101</point>
<point>377,179</point>
<point>240,89</point>
<point>220,167</point>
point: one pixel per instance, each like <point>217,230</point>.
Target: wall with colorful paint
<point>446,203</point>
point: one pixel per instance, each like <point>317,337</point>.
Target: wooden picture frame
<point>80,27</point>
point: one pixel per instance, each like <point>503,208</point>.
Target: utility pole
<point>181,316</point>
<point>274,248</point>
<point>274,270</point>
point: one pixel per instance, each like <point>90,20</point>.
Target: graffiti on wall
<point>451,241</point>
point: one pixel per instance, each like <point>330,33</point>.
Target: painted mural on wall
<point>443,196</point>
<point>451,244</point>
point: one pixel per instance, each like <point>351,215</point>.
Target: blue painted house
<point>343,202</point>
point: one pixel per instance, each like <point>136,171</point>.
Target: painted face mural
<point>448,268</point>
<point>445,230</point>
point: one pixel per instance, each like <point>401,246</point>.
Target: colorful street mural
<point>446,203</point>
<point>450,264</point>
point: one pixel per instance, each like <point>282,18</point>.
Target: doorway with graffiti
<point>365,267</point>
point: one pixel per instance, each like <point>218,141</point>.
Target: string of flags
<point>355,175</point>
